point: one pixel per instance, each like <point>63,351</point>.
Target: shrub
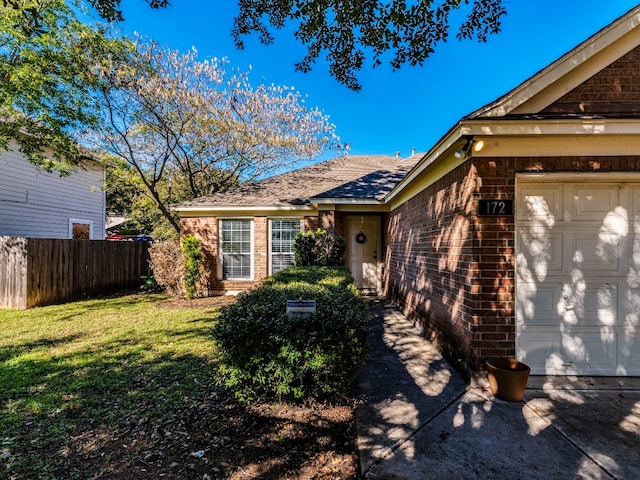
<point>191,249</point>
<point>266,354</point>
<point>167,266</point>
<point>319,249</point>
<point>178,267</point>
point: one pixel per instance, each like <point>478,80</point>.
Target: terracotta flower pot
<point>508,378</point>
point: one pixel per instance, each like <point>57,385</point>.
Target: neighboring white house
<point>37,204</point>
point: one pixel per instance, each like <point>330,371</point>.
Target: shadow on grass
<point>12,351</point>
<point>139,407</point>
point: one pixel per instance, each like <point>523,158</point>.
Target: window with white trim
<point>283,236</point>
<point>236,249</point>
<point>80,229</point>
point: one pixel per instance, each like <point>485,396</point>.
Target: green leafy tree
<point>122,187</point>
<point>346,31</point>
<point>191,249</point>
<point>127,196</point>
<point>47,57</point>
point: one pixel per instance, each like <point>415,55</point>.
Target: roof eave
<point>539,126</point>
<point>513,127</point>
<point>440,149</point>
<point>242,208</point>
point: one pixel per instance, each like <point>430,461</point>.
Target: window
<point>236,249</point>
<point>80,229</point>
<point>283,235</point>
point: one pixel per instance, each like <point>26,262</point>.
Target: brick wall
<point>329,220</point>
<point>614,90</point>
<point>260,248</point>
<point>453,271</point>
<point>429,264</point>
<point>493,326</point>
<point>206,229</point>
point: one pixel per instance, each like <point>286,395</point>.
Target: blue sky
<point>395,111</point>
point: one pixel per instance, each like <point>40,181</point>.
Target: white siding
<point>38,204</point>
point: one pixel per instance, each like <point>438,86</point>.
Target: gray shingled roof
<point>364,177</point>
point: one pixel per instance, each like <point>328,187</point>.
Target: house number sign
<point>495,207</point>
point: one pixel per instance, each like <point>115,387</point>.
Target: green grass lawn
<point>75,376</point>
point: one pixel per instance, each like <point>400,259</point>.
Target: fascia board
<point>444,147</point>
<point>541,126</point>
<point>440,160</point>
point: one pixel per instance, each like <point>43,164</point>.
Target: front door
<point>363,248</point>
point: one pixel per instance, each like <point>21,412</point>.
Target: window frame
<point>270,233</point>
<point>221,275</point>
<point>80,221</point>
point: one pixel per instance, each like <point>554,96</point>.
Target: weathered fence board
<point>13,271</point>
<point>44,271</point>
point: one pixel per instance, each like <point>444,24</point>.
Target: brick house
<point>259,221</point>
<point>517,234</point>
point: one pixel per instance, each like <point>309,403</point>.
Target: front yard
<point>126,387</point>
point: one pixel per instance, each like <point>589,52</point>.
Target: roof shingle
<point>347,177</point>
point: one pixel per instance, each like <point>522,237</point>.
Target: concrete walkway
<point>420,420</point>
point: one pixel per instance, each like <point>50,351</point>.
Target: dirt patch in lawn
<point>222,439</point>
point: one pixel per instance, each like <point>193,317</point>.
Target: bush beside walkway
<point>269,354</point>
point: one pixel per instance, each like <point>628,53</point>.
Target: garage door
<point>578,275</point>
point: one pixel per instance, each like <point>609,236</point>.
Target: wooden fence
<point>44,271</point>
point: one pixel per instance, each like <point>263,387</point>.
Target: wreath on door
<point>361,237</point>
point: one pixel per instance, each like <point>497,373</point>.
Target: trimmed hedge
<point>266,354</point>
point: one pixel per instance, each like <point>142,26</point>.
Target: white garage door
<point>578,275</point>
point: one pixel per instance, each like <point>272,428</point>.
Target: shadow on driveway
<point>420,420</point>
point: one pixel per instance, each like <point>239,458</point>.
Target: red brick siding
<point>493,329</point>
<point>311,224</point>
<point>429,264</point>
<point>329,220</point>
<point>339,224</point>
<point>614,90</point>
<point>454,271</point>
<point>206,228</point>
<point>260,248</point>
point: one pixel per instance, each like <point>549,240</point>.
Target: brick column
<point>260,248</point>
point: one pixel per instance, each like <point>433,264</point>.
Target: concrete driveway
<point>419,419</point>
